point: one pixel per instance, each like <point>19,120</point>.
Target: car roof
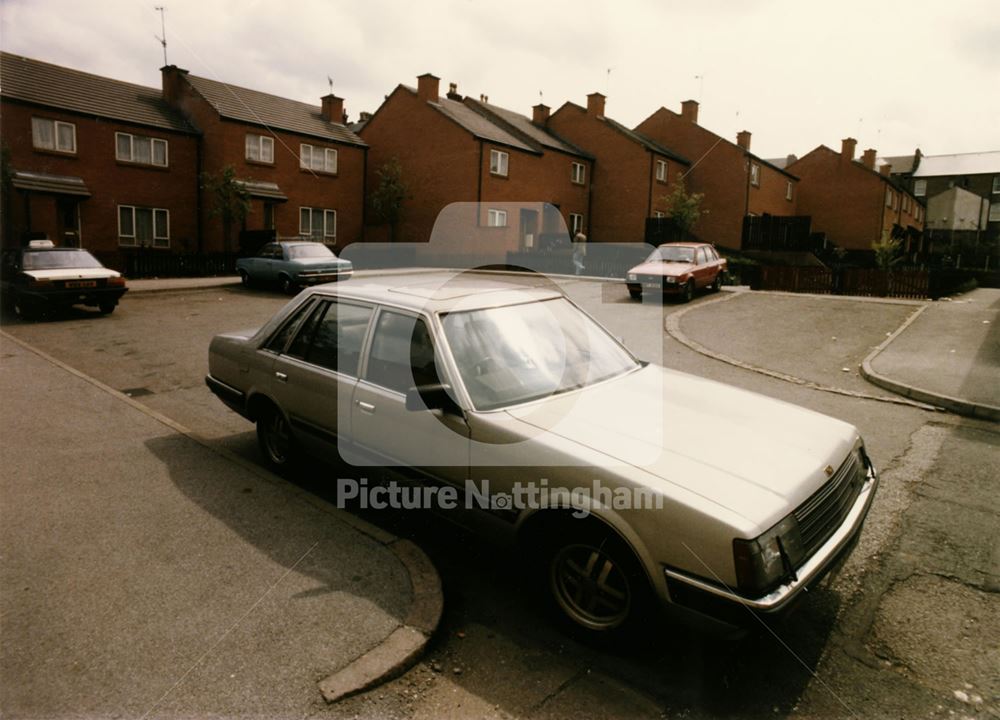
<point>300,242</point>
<point>441,291</point>
<point>686,244</point>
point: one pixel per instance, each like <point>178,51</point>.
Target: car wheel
<point>635,293</point>
<point>717,283</point>
<point>596,586</point>
<point>245,278</point>
<point>106,308</point>
<point>23,311</point>
<point>287,286</point>
<point>688,292</point>
<point>275,438</point>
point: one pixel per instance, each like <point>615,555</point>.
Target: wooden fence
<point>845,281</point>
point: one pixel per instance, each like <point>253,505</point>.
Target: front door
<point>68,222</point>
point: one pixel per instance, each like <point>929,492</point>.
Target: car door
<point>402,354</point>
<point>702,270</point>
<point>314,375</point>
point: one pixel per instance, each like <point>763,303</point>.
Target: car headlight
<point>765,562</point>
<point>670,279</point>
<point>632,276</point>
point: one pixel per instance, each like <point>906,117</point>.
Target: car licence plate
<point>81,283</point>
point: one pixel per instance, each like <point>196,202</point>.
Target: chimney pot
<point>885,170</point>
<point>868,158</point>
<point>595,104</point>
<point>847,146</point>
<point>453,92</point>
<point>428,87</point>
<point>170,78</point>
<point>540,114</point>
<point>689,111</point>
<point>791,159</point>
<point>332,108</point>
<point>743,139</point>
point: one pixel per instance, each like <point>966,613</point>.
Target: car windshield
<point>513,354</point>
<point>313,250</point>
<point>52,259</point>
<point>668,253</point>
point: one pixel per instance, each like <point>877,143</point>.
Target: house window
<point>318,159</point>
<point>143,227</point>
<point>140,149</point>
<point>920,187</point>
<point>996,184</point>
<point>788,191</point>
<point>578,173</point>
<point>498,162</point>
<point>995,212</point>
<point>661,171</point>
<point>888,198</point>
<point>755,174</point>
<point>906,204</point>
<point>260,148</point>
<point>496,218</point>
<point>318,223</point>
<point>53,135</point>
<point>575,224</point>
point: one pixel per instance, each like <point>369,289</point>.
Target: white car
<point>476,377</point>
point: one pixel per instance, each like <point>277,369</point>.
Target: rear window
<point>54,259</point>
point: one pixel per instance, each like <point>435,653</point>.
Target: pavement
<point>165,577</point>
<point>943,354</point>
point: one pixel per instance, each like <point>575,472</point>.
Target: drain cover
<point>137,392</point>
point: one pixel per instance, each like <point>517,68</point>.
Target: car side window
<point>338,339</point>
<point>280,339</point>
<point>303,339</point>
<point>702,256</point>
<point>401,354</point>
<point>265,251</point>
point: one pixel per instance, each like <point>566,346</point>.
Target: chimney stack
<point>428,87</point>
<point>453,92</point>
<point>689,111</point>
<point>868,159</point>
<point>885,170</point>
<point>743,139</point>
<point>847,146</point>
<point>365,116</point>
<point>595,104</point>
<point>333,108</point>
<point>791,158</point>
<point>540,114</point>
<point>171,78</point>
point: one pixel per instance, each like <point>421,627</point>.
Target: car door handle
<point>282,377</point>
<point>366,407</point>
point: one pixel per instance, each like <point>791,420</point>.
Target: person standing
<point>579,252</point>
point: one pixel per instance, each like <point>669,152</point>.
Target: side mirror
<point>431,397</point>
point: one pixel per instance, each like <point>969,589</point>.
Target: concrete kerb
<point>397,652</point>
<point>672,325</point>
<point>958,406</point>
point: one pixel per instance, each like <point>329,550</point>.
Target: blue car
<point>292,265</point>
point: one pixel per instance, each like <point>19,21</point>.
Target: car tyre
<point>245,278</point>
<point>106,308</point>
<point>688,293</point>
<point>595,585</point>
<point>287,286</point>
<point>23,311</point>
<point>635,293</point>
<point>717,283</point>
<point>274,437</point>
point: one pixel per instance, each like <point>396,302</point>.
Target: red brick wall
<point>225,144</point>
<point>111,183</point>
<point>624,189</point>
<point>443,163</point>
<point>846,200</point>
<point>720,170</point>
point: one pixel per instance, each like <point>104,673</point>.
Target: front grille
<point>821,515</point>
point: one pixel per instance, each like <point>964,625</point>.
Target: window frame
<point>575,224</point>
<point>661,173</point>
<point>578,173</point>
<point>327,213</point>
<point>755,174</point>
<point>919,188</point>
<point>55,135</point>
<point>499,163</point>
<point>159,242</point>
<point>789,191</point>
<point>326,155</point>
<point>494,215</point>
<point>260,148</point>
<point>994,213</point>
<point>152,154</point>
<point>996,185</point>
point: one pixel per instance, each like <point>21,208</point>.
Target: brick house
<point>95,163</point>
<point>302,167</point>
<point>852,202</point>
<point>455,149</point>
<point>735,182</point>
<point>632,173</point>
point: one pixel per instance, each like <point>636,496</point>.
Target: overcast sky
<point>894,74</point>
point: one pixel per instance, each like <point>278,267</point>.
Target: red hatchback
<point>678,269</point>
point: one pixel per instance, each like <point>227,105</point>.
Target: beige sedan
<point>634,486</point>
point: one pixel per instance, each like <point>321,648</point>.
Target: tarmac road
<point>854,650</point>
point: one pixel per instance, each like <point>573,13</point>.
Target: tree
<point>229,200</point>
<point>683,208</point>
<point>389,195</point>
<point>887,251</point>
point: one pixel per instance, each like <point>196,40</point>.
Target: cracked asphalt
<point>908,628</point>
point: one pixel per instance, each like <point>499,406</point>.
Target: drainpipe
<point>364,194</point>
<point>479,188</point>
<point>652,181</point>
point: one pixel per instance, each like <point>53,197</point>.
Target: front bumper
<point>723,603</point>
<point>64,297</point>
<point>318,278</point>
<point>657,285</point>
